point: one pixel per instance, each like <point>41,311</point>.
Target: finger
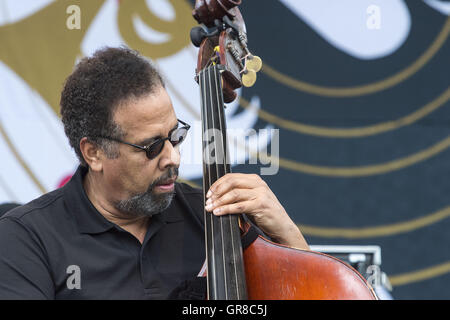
<point>234,208</point>
<point>231,196</point>
<point>231,181</point>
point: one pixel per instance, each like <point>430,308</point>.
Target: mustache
<point>170,174</point>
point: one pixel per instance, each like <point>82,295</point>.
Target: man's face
<point>137,185</point>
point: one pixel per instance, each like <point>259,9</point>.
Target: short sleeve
<point>24,272</point>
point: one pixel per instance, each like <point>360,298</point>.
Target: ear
<point>92,154</point>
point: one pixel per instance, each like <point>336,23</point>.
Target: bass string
<point>224,150</point>
<point>205,132</point>
<point>212,128</point>
<point>207,129</point>
<point>218,153</point>
<point>214,96</point>
<point>211,92</point>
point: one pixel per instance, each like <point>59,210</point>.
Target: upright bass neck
<point>225,264</point>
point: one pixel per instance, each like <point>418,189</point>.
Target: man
<point>5,207</point>
<point>122,228</point>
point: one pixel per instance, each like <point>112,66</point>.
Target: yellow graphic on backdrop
<point>42,50</point>
<point>176,29</point>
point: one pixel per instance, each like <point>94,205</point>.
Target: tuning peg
<point>253,63</point>
<point>248,78</point>
<point>197,35</point>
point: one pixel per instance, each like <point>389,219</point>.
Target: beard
<point>149,203</point>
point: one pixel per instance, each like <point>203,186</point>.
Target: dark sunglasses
<point>175,137</point>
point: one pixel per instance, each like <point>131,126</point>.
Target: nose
<point>170,156</point>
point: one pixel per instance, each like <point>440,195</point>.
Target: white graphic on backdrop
<point>440,5</point>
<point>34,151</point>
<point>344,23</point>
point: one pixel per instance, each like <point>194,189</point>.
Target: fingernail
<point>208,202</point>
<point>216,211</point>
<point>209,194</point>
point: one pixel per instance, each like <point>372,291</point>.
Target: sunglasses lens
<point>176,138</point>
<point>155,149</point>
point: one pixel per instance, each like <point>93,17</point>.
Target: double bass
<point>258,269</point>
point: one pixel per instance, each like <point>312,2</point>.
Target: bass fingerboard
<point>225,264</point>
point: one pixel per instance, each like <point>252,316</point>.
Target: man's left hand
<point>237,193</point>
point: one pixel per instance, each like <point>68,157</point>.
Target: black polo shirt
<point>60,247</point>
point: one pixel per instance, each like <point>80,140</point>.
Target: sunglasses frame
<point>150,147</point>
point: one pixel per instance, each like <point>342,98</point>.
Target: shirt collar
<point>91,221</point>
<point>88,219</point>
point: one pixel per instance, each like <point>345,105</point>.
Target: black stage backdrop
<point>364,144</point>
